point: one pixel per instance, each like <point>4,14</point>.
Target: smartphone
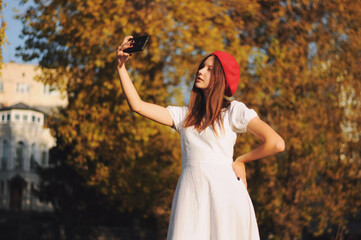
<point>138,45</point>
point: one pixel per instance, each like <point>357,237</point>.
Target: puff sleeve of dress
<point>240,115</point>
<point>178,115</point>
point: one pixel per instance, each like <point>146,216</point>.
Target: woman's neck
<point>206,94</point>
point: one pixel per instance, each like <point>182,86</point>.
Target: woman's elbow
<point>135,107</point>
<point>279,145</point>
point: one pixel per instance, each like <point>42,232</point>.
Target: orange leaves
<point>299,65</point>
<point>295,89</point>
<point>2,32</point>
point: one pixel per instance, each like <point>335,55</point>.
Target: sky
<point>12,32</point>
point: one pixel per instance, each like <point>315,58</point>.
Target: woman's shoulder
<point>236,104</point>
<point>240,115</point>
<point>181,109</point>
<point>178,114</point>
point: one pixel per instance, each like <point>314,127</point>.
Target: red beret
<point>231,70</point>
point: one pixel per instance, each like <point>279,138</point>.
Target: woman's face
<point>204,73</point>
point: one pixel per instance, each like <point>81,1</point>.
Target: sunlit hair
<point>207,112</point>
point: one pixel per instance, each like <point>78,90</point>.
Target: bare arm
<point>136,104</point>
<point>272,144</point>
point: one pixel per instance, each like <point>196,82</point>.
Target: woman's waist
<point>207,161</point>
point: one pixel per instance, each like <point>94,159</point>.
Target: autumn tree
<point>2,32</point>
<point>304,62</point>
<point>299,62</point>
<point>130,160</point>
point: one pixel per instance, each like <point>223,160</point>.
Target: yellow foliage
<point>297,59</point>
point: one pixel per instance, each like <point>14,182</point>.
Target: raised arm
<point>152,111</point>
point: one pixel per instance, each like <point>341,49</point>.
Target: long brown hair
<point>207,112</point>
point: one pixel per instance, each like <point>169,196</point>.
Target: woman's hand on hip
<point>240,170</point>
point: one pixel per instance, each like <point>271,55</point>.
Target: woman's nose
<point>201,71</point>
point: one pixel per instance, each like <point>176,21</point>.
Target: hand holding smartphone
<point>138,44</point>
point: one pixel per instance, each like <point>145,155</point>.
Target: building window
<point>2,188</point>
<point>3,118</point>
<point>19,155</point>
<point>8,117</point>
<point>33,118</point>
<point>32,197</point>
<point>4,159</point>
<point>17,117</point>
<point>22,88</point>
<point>50,90</point>
<point>32,157</point>
<point>43,158</point>
<point>38,119</point>
<point>25,118</point>
<point>1,86</point>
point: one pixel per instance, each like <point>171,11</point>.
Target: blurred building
<point>25,144</point>
<point>18,85</point>
<point>24,138</point>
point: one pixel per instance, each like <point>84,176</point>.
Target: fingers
<point>240,172</point>
<point>122,55</point>
<point>125,44</point>
<point>126,39</point>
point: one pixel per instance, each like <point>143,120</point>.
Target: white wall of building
<point>24,127</point>
<point>23,140</point>
<point>18,84</point>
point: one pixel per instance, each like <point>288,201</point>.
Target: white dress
<point>209,202</point>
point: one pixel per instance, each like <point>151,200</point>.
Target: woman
<point>210,201</point>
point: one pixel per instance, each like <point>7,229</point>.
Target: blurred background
<point>75,163</point>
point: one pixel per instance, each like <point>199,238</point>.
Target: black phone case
<point>138,45</point>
